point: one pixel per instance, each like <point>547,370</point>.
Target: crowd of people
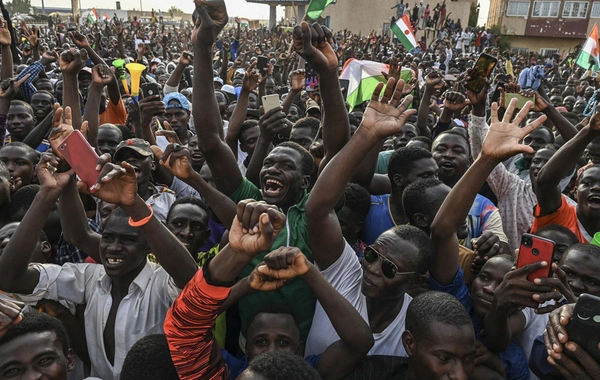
<point>224,239</point>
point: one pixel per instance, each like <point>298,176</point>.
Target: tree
<point>174,9</point>
<point>19,6</point>
<point>473,15</point>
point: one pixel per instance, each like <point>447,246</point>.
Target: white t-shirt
<point>535,324</point>
<point>345,275</point>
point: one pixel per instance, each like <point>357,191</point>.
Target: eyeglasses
<point>389,269</point>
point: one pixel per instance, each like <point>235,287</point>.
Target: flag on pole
<point>105,17</point>
<point>316,7</point>
<point>93,16</point>
<point>403,30</point>
<point>588,57</point>
<point>363,77</point>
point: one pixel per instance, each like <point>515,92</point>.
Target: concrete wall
<point>512,25</point>
<point>535,44</point>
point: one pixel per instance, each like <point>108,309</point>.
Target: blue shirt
<point>513,359</point>
<point>378,220</point>
<point>237,366</point>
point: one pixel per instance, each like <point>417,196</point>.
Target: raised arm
<point>249,84</point>
<point>382,118</point>
<point>356,338</point>
<point>70,62</point>
<point>210,18</point>
<point>501,142</point>
<point>7,57</point>
<point>15,274</point>
<point>432,80</point>
<point>118,185</point>
<point>101,76</point>
<point>172,84</point>
<point>560,165</point>
<point>313,43</point>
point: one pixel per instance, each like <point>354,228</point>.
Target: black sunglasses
<point>389,269</point>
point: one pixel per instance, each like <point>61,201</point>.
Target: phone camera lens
<point>583,315</point>
<point>535,251</point>
<point>587,305</point>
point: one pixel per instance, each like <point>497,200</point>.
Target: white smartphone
<point>270,101</point>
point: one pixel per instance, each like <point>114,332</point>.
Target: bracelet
<point>142,222</point>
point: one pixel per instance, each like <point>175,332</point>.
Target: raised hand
<point>49,56</point>
<point>298,80</point>
<point>433,79</point>
<point>210,17</point>
<point>101,75</point>
<point>385,117</point>
<point>5,38</point>
<point>455,101</point>
<point>272,123</point>
<point>279,266</point>
<point>48,176</point>
<point>177,160</point>
<point>503,138</point>
<point>9,87</point>
<point>62,127</point>
<point>80,40</point>
<point>117,26</point>
<point>10,314</point>
<point>255,227</point>
<point>71,61</point>
<point>116,183</point>
<point>186,58</point>
<point>313,43</point>
<point>251,78</point>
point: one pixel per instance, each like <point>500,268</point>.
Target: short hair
<point>558,229</point>
<point>433,306</point>
<point>31,154</point>
<point>281,365</point>
<point>418,238</point>
<point>308,122</point>
<point>118,212</point>
<point>37,323</point>
<point>277,308</point>
<point>353,120</point>
<point>423,139</point>
<point>401,161</point>
<point>454,133</point>
<point>149,358</point>
<point>44,92</point>
<point>248,124</point>
<point>188,200</point>
<point>126,132</point>
<point>357,199</point>
<point>589,249</point>
<point>22,103</point>
<point>21,201</point>
<point>544,128</point>
<point>307,162</point>
<point>414,197</point>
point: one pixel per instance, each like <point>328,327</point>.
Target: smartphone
<point>283,90</point>
<point>584,326</point>
<point>188,55</point>
<point>262,63</point>
<point>270,101</point>
<point>535,249</point>
<point>521,100</point>
<point>344,84</point>
<point>149,89</point>
<point>483,68</point>
<point>81,156</point>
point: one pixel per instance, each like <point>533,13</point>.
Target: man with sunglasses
<point>377,286</point>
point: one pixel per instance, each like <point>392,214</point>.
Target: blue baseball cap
<point>176,100</point>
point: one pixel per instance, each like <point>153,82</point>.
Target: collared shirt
<point>66,252</point>
<point>296,293</point>
<point>141,313</point>
<point>27,89</point>
<point>516,198</point>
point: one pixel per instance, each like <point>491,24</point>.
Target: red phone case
<point>81,156</point>
<point>535,249</point>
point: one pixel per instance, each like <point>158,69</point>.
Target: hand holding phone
<point>481,71</point>
<point>535,249</point>
<point>521,100</point>
<point>81,156</point>
<point>584,326</point>
<point>270,101</point>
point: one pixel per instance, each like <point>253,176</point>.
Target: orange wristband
<point>141,222</point>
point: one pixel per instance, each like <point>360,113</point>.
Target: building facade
<point>544,27</point>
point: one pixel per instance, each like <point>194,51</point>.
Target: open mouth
<point>113,261</point>
<point>197,156</point>
<point>594,200</point>
<point>447,165</point>
<point>273,187</point>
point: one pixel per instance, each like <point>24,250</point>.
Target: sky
<point>234,7</point>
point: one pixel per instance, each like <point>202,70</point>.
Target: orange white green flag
<point>403,30</point>
<point>588,57</point>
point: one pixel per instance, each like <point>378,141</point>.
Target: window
<point>545,9</point>
<point>595,12</point>
<point>547,52</point>
<point>517,8</point>
<point>575,9</point>
<point>519,51</point>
